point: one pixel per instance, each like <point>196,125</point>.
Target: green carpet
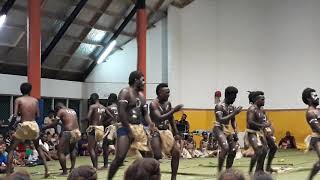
<point>296,163</point>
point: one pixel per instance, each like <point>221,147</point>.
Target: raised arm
<point>220,117</point>
<point>155,111</point>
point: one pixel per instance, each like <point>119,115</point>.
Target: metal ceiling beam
<point>6,7</point>
<point>65,36</point>
<point>3,61</point>
<point>62,30</point>
<point>107,12</point>
<point>181,3</point>
<point>82,23</point>
<point>85,33</point>
<point>59,53</point>
<point>115,35</point>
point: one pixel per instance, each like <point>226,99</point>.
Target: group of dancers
<point>151,129</point>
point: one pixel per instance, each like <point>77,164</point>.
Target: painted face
<point>315,98</point>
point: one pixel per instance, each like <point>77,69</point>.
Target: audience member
<point>33,158</point>
<point>231,174</point>
<point>189,150</point>
<point>83,145</point>
<point>141,169</point>
<point>183,121</point>
<point>206,147</point>
<point>43,142</point>
<point>48,120</point>
<point>85,172</point>
<point>3,157</point>
<point>9,138</point>
<point>288,142</point>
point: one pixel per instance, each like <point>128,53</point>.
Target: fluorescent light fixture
<point>2,19</point>
<point>107,51</point>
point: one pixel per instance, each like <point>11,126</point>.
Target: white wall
<point>269,45</point>
<point>10,84</point>
<point>113,75</point>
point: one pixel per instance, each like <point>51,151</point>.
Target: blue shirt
<point>3,158</point>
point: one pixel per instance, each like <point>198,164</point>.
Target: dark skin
<point>256,120</point>
<point>96,114</point>
<point>313,117</point>
<point>269,133</point>
<point>113,108</point>
<point>160,110</point>
<point>132,108</point>
<point>225,114</point>
<point>28,108</point>
<point>69,122</point>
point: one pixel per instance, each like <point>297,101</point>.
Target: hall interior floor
<point>295,165</point>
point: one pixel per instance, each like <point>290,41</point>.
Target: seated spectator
<point>204,142</point>
<point>43,142</point>
<point>48,120</point>
<point>18,157</point>
<point>22,153</point>
<point>189,150</point>
<point>28,150</point>
<point>183,121</point>
<point>206,146</point>
<point>261,175</point>
<point>146,168</point>
<point>84,172</point>
<point>213,143</point>
<point>231,174</point>
<point>55,141</point>
<point>2,138</point>
<point>3,157</point>
<point>83,145</point>
<point>9,138</point>
<point>33,158</point>
<point>288,142</point>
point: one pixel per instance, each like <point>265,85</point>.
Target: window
<point>56,101</point>
<point>47,106</point>
<point>5,108</point>
<point>75,104</point>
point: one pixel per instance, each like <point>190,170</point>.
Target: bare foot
<point>46,174</point>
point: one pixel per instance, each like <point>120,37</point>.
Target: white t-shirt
<point>45,145</point>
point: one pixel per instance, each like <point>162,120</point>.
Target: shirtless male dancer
<point>27,128</point>
<point>69,137</point>
<point>161,113</point>
<point>111,125</point>
<point>310,98</point>
<point>256,124</point>
<point>96,115</point>
<point>225,114</point>
<point>132,111</point>
<point>269,134</point>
